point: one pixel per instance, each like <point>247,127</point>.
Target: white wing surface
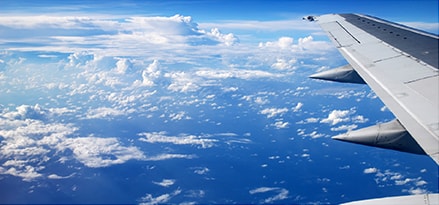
<point>400,64</point>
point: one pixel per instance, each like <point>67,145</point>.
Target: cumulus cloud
<point>298,107</point>
<point>281,43</point>
<point>272,112</point>
<point>415,184</point>
<point>370,170</point>
<point>339,116</point>
<point>27,112</point>
<point>283,64</point>
<point>151,73</point>
<point>103,112</point>
<point>416,191</point>
<point>287,44</point>
<point>235,73</point>
<point>179,116</point>
<point>182,82</point>
<point>315,134</point>
<point>281,125</point>
<point>122,34</point>
<point>123,65</point>
<point>26,172</point>
<point>344,127</point>
<point>336,116</point>
<point>227,39</point>
<point>309,120</point>
<point>101,152</point>
<point>29,143</point>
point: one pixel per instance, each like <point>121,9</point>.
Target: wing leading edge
<point>400,64</point>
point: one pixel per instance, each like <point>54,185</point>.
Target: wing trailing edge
<point>400,64</point>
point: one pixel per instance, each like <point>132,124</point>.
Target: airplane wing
<point>400,64</point>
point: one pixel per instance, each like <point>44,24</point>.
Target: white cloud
<point>182,82</point>
<point>176,24</point>
<point>430,27</point>
<point>271,26</point>
<point>281,43</point>
<point>420,182</point>
<point>179,116</point>
<point>115,35</point>
<point>281,193</point>
<point>103,112</point>
<point>344,127</point>
<point>151,73</point>
<point>283,64</point>
<point>309,120</point>
<point>27,143</point>
<point>298,107</point>
<point>162,199</point>
<point>226,39</point>
<point>55,176</point>
<point>337,116</point>
<point>305,155</point>
<point>101,152</point>
<point>165,182</point>
<point>281,125</point>
<point>27,173</point>
<point>262,190</point>
<point>161,137</point>
<point>370,170</point>
<point>403,182</point>
<point>272,112</point>
<point>201,170</point>
<point>27,112</point>
<point>304,41</point>
<point>312,120</point>
<point>235,73</point>
<point>261,100</point>
<point>315,134</point>
<point>384,109</point>
<point>123,65</point>
<point>161,157</point>
<point>415,184</point>
<point>359,119</point>
<point>286,44</point>
<point>415,191</point>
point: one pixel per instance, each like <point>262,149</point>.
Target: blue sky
<point>420,14</point>
<point>398,10</point>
